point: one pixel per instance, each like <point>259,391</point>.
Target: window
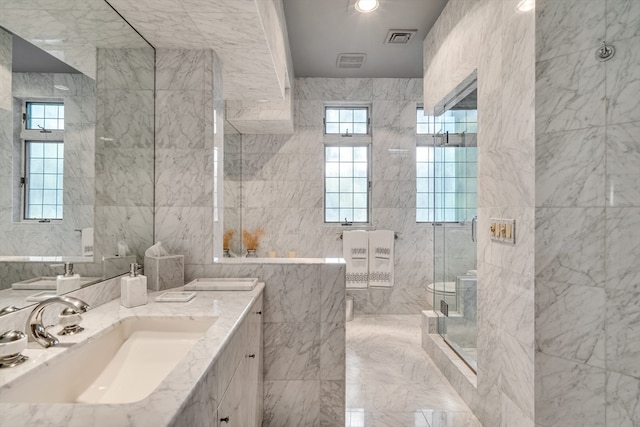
<point>446,186</point>
<point>451,121</point>
<point>346,120</point>
<point>45,115</point>
<point>43,177</point>
<point>44,166</point>
<point>346,184</point>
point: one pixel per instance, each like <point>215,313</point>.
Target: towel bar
<point>395,235</point>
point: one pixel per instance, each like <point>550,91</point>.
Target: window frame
<point>46,103</point>
<point>349,144</point>
<point>37,136</point>
<point>353,107</point>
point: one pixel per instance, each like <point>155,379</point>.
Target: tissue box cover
<point>165,272</point>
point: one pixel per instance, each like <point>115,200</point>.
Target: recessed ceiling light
<point>61,87</point>
<point>526,5</point>
<point>366,6</point>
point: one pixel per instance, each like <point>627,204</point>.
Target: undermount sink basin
<point>225,284</point>
<point>47,283</point>
<point>122,365</point>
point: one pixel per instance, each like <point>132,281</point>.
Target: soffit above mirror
<point>86,25</point>
<point>249,36</point>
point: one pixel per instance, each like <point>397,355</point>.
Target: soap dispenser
<point>68,281</point>
<point>133,288</point>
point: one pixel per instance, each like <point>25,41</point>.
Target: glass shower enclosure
<point>454,156</point>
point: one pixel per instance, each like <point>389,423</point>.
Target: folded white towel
<point>355,253</point>
<point>381,258</point>
<point>87,241</point>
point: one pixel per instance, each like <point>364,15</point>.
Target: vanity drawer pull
<point>252,356</point>
<point>224,420</point>
<point>259,312</point>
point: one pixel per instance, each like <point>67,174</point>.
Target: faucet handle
<point>12,343</point>
<point>70,320</point>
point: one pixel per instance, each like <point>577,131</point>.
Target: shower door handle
<point>474,223</point>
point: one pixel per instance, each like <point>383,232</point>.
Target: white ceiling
<point>321,29</point>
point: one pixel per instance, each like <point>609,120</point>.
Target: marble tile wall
<point>6,51</point>
<point>587,214</point>
<point>304,339</point>
<point>497,40</point>
<point>6,125</point>
<point>124,196</point>
<point>184,220</point>
<point>282,185</point>
<point>79,170</point>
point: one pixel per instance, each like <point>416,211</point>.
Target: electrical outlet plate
<point>503,230</point>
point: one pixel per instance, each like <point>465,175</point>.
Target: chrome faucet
<point>36,331</point>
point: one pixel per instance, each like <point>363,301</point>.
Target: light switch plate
<point>503,230</point>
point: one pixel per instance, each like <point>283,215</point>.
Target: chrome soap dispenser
<point>68,281</point>
<point>133,288</point>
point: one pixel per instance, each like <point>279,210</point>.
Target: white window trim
<point>35,135</point>
<point>345,105</point>
<point>350,142</point>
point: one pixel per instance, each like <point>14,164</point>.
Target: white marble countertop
<point>164,403</point>
<point>250,260</point>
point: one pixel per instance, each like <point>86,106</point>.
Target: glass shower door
<point>455,160</point>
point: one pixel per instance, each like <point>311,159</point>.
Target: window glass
<point>346,120</point>
<point>346,184</point>
<point>44,176</point>
<point>45,115</point>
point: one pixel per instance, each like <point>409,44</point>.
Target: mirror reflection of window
<point>43,176</point>
<point>44,161</point>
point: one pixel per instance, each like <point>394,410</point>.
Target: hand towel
<point>355,249</point>
<point>87,241</point>
<point>381,258</point>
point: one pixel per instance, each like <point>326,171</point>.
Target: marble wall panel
<point>578,389</point>
<point>291,403</point>
<point>570,92</point>
<point>292,351</point>
<point>183,177</point>
<point>623,20</point>
<point>6,48</point>
<point>570,26</point>
<point>623,164</point>
<point>186,231</point>
<point>574,319</point>
<point>622,407</point>
<point>623,83</point>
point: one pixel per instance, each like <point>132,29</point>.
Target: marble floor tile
<point>391,381</point>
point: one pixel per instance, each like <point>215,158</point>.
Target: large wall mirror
<point>76,143</point>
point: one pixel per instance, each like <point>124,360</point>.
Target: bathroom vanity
<point>217,382</point>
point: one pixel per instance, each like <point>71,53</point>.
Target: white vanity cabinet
<point>239,374</point>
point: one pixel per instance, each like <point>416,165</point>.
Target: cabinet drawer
<point>231,357</point>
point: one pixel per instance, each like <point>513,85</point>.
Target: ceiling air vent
<point>351,60</point>
<point>400,36</point>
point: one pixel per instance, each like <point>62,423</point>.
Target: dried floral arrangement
<point>226,239</point>
<point>251,239</point>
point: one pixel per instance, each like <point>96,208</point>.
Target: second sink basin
<point>122,365</point>
<point>225,284</point>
